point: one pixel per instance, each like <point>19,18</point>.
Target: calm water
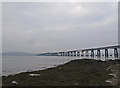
<point>17,64</point>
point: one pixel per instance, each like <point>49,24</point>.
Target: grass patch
<point>83,72</point>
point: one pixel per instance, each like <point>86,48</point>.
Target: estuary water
<point>17,64</point>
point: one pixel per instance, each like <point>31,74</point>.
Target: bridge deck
<point>100,48</point>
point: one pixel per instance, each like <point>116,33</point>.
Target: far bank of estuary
<point>78,72</point>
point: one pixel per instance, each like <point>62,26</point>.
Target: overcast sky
<point>48,26</point>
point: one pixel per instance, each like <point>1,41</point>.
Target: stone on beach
<point>34,74</point>
<point>14,82</point>
<point>75,83</point>
<point>108,81</point>
<point>112,74</point>
<point>60,68</point>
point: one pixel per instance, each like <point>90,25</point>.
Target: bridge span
<point>90,52</point>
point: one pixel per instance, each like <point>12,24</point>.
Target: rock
<point>60,68</point>
<point>108,81</point>
<point>112,74</point>
<point>76,84</point>
<point>14,82</point>
<point>34,74</point>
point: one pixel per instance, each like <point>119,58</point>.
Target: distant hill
<point>47,54</point>
<point>43,54</point>
<point>18,54</point>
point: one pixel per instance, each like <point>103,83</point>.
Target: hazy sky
<point>48,26</point>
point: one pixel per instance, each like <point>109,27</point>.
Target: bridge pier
<point>98,53</point>
<point>59,54</point>
<point>86,53</point>
<point>92,53</point>
<point>68,53</point>
<point>78,53</point>
<point>82,53</point>
<point>74,53</point>
<point>71,53</point>
<point>115,52</point>
<point>106,53</point>
<point>65,53</point>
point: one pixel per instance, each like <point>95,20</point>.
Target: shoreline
<point>78,72</point>
<point>52,66</point>
<point>43,68</point>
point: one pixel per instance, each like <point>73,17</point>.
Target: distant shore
<point>83,72</point>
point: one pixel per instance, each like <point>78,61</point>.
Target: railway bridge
<point>90,52</point>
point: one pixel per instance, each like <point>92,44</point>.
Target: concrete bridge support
<point>71,53</point>
<point>86,54</point>
<point>68,53</point>
<point>119,53</point>
<point>78,53</point>
<point>92,53</point>
<point>115,52</point>
<point>106,53</point>
<point>65,53</point>
<point>74,53</point>
<point>59,54</point>
<point>82,53</point>
<point>98,53</point>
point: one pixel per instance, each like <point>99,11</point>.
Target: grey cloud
<point>40,27</point>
